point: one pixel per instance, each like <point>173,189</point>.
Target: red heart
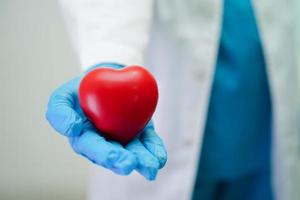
<point>119,102</point>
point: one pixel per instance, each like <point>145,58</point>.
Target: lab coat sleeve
<point>108,30</point>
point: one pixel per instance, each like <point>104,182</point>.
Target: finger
<point>61,112</point>
<point>147,164</point>
<point>101,152</point>
<point>154,144</point>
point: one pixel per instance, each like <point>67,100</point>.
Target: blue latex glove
<point>146,154</point>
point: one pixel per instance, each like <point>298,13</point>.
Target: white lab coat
<point>178,41</point>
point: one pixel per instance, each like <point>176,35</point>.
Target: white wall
<point>35,57</point>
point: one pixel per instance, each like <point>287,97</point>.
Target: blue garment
<point>255,186</point>
<point>238,129</point>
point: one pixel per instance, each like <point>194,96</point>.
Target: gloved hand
<point>146,153</point>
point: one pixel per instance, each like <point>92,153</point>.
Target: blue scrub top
<point>238,128</point>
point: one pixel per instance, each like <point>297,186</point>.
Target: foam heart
<point>119,102</point>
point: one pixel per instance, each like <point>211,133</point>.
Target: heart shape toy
<point>119,102</point>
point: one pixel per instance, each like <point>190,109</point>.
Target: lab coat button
<point>199,74</point>
<point>188,142</point>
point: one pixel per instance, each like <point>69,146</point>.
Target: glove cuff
<point>105,64</point>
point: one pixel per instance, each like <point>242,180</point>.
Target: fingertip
<point>125,163</point>
<point>125,167</point>
<point>155,145</point>
<point>148,165</point>
<point>149,173</point>
<point>152,174</point>
<point>162,158</point>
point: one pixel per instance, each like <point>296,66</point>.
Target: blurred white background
<point>35,57</point>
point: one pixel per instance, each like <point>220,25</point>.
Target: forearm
<point>109,30</point>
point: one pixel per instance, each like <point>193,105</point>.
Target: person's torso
<point>184,78</point>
